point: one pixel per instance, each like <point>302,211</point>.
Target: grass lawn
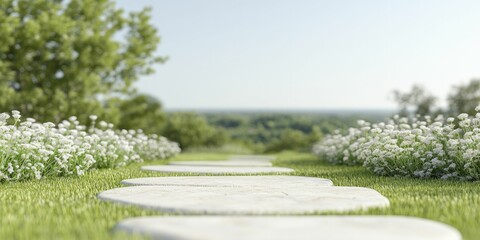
<point>67,208</point>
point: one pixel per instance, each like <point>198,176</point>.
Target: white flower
<point>16,114</point>
<point>403,148</point>
<point>462,116</point>
<point>27,147</point>
<point>49,125</point>
<point>477,108</point>
<point>4,116</point>
<point>103,124</point>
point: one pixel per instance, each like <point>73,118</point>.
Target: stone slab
<point>233,181</point>
<point>231,163</point>
<point>246,200</point>
<point>252,157</point>
<point>215,169</point>
<point>288,228</point>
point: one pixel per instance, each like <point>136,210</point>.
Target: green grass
<point>67,208</point>
<point>451,202</point>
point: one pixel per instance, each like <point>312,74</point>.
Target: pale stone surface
<point>247,200</point>
<point>230,163</point>
<point>252,157</point>
<point>216,170</point>
<point>233,181</point>
<point>288,228</point>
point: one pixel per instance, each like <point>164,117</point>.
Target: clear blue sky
<point>308,54</point>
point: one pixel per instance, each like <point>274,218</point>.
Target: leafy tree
<point>142,112</point>
<point>229,121</point>
<point>315,134</point>
<point>218,137</point>
<point>301,123</point>
<point>267,131</point>
<point>418,98</point>
<point>289,139</point>
<point>59,58</point>
<point>464,98</point>
<point>192,130</point>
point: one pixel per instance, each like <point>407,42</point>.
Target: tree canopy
<point>192,130</point>
<point>417,98</point>
<point>142,112</point>
<point>61,58</point>
<point>465,97</point>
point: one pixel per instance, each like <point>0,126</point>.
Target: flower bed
<point>31,150</point>
<point>429,148</point>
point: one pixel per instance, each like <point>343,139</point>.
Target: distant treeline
<point>273,132</point>
<point>462,98</point>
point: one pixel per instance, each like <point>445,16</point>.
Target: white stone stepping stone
<point>246,200</point>
<point>233,181</point>
<point>252,157</point>
<point>288,228</point>
<point>216,169</point>
<point>231,163</point>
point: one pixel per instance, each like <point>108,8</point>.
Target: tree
<point>315,135</point>
<point>229,121</point>
<point>192,130</point>
<point>418,98</point>
<point>142,112</point>
<point>290,139</point>
<point>59,58</point>
<point>464,98</point>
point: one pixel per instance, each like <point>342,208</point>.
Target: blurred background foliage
<point>277,131</point>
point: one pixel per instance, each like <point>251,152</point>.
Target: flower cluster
<point>428,148</point>
<point>32,150</point>
<point>151,147</point>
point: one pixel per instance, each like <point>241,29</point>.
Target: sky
<point>308,54</point>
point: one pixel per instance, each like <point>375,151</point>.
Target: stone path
<point>289,228</point>
<point>231,163</point>
<point>252,157</point>
<point>259,195</point>
<point>274,181</point>
<point>215,169</point>
<point>246,200</point>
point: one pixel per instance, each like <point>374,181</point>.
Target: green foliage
<point>58,58</point>
<point>272,132</point>
<point>289,139</point>
<point>142,112</point>
<point>229,121</point>
<point>417,98</point>
<point>216,136</point>
<point>464,98</point>
<point>192,130</point>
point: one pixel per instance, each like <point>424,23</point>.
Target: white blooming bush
<point>31,150</point>
<point>151,147</point>
<point>439,148</point>
<point>342,149</point>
